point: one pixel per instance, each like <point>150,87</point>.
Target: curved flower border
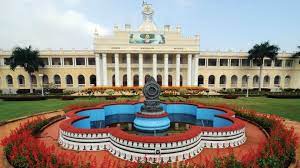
<point>117,132</point>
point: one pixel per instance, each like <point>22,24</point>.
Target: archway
<point>170,80</point>
<point>136,80</point>
<point>124,80</point>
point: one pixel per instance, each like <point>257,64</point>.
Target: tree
<point>297,54</point>
<point>261,51</point>
<point>27,58</point>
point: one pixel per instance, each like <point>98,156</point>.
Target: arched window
<point>81,80</point>
<point>9,81</point>
<point>181,80</point>
<point>57,80</point>
<point>93,80</point>
<point>45,80</point>
<point>255,81</point>
<point>124,80</point>
<point>146,78</point>
<point>69,81</point>
<point>287,81</point>
<point>113,80</point>
<point>136,80</point>
<point>33,81</point>
<point>211,80</point>
<point>234,80</point>
<point>21,80</point>
<point>159,80</point>
<point>266,81</point>
<point>170,80</point>
<point>223,81</point>
<point>200,80</point>
<point>277,81</point>
<point>244,81</point>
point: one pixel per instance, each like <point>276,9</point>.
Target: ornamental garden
<point>148,126</point>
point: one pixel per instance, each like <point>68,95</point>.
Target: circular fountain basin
<point>126,113</point>
<point>152,124</point>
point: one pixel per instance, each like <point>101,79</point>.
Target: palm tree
<point>261,51</point>
<point>28,59</point>
<point>297,54</point>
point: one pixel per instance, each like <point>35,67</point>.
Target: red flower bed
<point>24,150</point>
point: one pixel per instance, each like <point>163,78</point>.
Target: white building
<point>128,56</point>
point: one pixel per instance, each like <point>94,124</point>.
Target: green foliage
<point>26,58</point>
<point>183,91</point>
<point>110,92</point>
<point>297,54</point>
<point>261,51</point>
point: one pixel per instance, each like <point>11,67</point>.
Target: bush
<point>23,98</point>
<point>67,97</point>
<point>231,96</point>
<point>284,95</point>
<point>23,91</point>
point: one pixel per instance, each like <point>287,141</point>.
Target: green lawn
<point>15,109</point>
<point>288,108</point>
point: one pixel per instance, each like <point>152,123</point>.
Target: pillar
<point>117,70</point>
<point>104,62</point>
<point>141,77</point>
<point>177,70</point>
<point>155,66</point>
<point>196,60</point>
<point>128,68</point>
<point>189,70</point>
<point>166,63</point>
<point>98,71</point>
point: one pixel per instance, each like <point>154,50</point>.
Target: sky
<point>222,24</point>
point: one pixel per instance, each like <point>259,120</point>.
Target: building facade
<point>128,56</point>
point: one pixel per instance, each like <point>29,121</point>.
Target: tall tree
<point>297,54</point>
<point>261,51</point>
<point>27,58</point>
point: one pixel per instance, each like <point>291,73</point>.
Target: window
<point>289,63</point>
<point>57,80</point>
<point>201,62</point>
<point>255,63</point>
<point>56,61</point>
<point>245,62</point>
<point>93,80</point>
<point>80,61</point>
<point>123,59</point>
<point>6,61</point>
<point>223,62</point>
<point>234,81</point>
<point>267,63</point>
<point>68,61</point>
<point>212,62</point>
<point>235,62</point>
<point>69,80</point>
<point>200,80</point>
<point>211,80</point>
<point>45,61</point>
<point>21,80</point>
<point>277,81</point>
<point>112,59</point>
<point>278,63</point>
<point>33,80</point>
<point>160,59</point>
<point>81,80</point>
<point>222,80</point>
<point>9,80</point>
<point>91,61</point>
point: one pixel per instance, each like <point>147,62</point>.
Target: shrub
<point>23,91</point>
<point>67,97</point>
<point>230,96</point>
<point>23,98</point>
<point>182,91</point>
<point>110,92</point>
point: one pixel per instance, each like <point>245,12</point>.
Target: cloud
<point>45,24</point>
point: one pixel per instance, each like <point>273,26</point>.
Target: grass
<point>287,108</point>
<point>14,109</point>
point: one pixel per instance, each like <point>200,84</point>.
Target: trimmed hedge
<point>290,95</point>
<point>23,98</point>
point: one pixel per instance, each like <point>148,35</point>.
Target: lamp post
<point>41,75</point>
<point>247,94</point>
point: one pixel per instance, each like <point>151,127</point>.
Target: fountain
<point>152,117</point>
